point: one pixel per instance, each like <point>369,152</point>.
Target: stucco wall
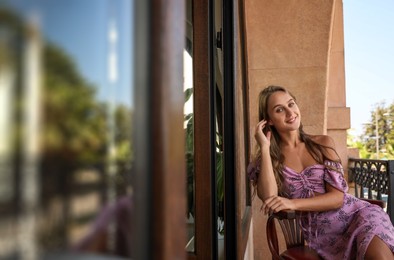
<point>338,115</point>
<point>298,44</point>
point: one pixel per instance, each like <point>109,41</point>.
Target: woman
<point>297,171</point>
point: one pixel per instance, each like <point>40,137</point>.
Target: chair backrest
<point>289,222</point>
<point>380,203</point>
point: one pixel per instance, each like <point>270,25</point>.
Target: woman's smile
<point>292,119</point>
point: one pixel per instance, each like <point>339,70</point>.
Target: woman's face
<point>283,112</point>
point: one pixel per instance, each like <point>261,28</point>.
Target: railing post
<point>390,203</point>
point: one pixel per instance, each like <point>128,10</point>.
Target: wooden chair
<point>293,234</point>
<point>295,244</point>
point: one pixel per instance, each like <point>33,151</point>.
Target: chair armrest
<point>285,214</point>
<point>380,203</point>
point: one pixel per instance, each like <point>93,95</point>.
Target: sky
<point>369,57</point>
<point>81,28</point>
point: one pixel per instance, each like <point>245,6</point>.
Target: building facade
<point>110,171</point>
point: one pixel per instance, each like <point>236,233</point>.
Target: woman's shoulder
<point>324,140</point>
<point>328,145</point>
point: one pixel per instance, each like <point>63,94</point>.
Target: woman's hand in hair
<point>262,135</point>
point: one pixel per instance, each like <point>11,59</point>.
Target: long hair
<point>317,151</point>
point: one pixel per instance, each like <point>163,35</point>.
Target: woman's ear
<point>270,122</point>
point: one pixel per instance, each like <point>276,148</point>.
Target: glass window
<point>189,128</point>
<point>65,128</point>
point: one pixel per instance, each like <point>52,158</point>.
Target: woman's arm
<point>266,183</point>
<point>332,199</point>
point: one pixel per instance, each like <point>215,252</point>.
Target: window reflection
<point>65,129</point>
<point>189,128</point>
<point>189,135</point>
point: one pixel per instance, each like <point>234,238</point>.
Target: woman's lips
<point>291,120</point>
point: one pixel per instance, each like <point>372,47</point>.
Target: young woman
<point>297,171</point>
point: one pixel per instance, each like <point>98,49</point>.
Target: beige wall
<point>338,115</point>
<point>298,44</point>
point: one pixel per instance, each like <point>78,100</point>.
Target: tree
<point>390,131</point>
<point>74,124</point>
<point>378,137</point>
<point>73,134</point>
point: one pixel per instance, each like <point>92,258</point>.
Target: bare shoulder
<point>324,140</point>
<point>328,145</point>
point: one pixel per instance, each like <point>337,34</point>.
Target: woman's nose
<point>289,112</point>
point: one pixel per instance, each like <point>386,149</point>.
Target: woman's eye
<point>279,109</point>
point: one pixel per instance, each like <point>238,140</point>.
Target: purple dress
<point>344,233</point>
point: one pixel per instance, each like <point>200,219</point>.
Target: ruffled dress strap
<point>333,175</point>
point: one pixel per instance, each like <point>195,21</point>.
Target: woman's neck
<point>290,139</point>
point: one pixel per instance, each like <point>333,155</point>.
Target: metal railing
<point>374,179</point>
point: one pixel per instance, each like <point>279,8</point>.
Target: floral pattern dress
<point>344,233</point>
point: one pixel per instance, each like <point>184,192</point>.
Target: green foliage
<point>74,129</point>
<point>189,150</point>
<point>219,168</point>
<point>74,121</point>
<point>189,135</point>
<point>381,127</point>
<point>123,123</point>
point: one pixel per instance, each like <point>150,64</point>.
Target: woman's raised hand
<point>261,138</point>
